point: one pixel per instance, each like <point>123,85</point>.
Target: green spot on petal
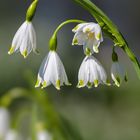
<point>58,84</point>
<point>44,84</point>
<point>126,78</point>
<point>37,83</point>
<point>88,51</point>
<point>11,50</point>
<point>88,29</point>
<point>98,36</point>
<point>75,41</point>
<point>96,82</point>
<point>89,85</point>
<point>80,84</point>
<point>24,53</point>
<point>75,28</point>
<point>117,82</point>
<point>108,83</point>
<point>95,48</point>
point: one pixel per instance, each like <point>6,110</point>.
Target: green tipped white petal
<point>52,72</point>
<point>44,135</point>
<point>89,35</point>
<point>13,135</point>
<point>80,84</point>
<point>24,40</point>
<point>11,51</point>
<point>96,83</point>
<point>44,84</point>
<point>24,53</point>
<point>91,73</point>
<point>117,73</point>
<point>58,84</point>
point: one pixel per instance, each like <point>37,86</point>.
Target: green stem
<point>67,22</point>
<point>53,40</point>
<point>110,29</point>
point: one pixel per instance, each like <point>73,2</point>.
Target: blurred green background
<point>104,113</point>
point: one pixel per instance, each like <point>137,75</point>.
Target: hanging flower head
<point>4,122</point>
<point>52,72</point>
<point>24,40</point>
<point>89,35</point>
<point>118,73</point>
<point>91,73</point>
<point>44,135</point>
<point>13,135</point>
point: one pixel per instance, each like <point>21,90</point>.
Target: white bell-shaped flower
<point>13,135</point>
<point>24,40</point>
<point>52,72</point>
<point>118,73</point>
<point>89,35</point>
<point>44,135</point>
<point>4,122</point>
<point>91,73</point>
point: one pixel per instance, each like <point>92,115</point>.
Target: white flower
<point>44,135</point>
<point>4,122</point>
<point>12,135</point>
<point>91,72</point>
<point>24,40</point>
<point>52,72</point>
<point>89,35</point>
<point>118,73</point>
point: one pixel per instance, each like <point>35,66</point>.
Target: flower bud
<point>31,10</point>
<point>53,43</point>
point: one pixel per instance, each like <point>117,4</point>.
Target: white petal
<point>83,71</point>
<point>117,73</point>
<point>52,71</point>
<point>89,27</point>
<point>79,38</point>
<point>4,122</point>
<point>44,135</point>
<point>32,36</point>
<point>93,70</point>
<point>79,27</point>
<point>19,36</point>
<point>12,135</point>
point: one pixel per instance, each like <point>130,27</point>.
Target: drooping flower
<point>24,40</point>
<point>13,135</point>
<point>44,135</point>
<point>91,73</point>
<point>52,71</point>
<point>118,73</point>
<point>89,35</point>
<point>4,122</point>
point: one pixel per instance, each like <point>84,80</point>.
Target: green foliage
<point>110,29</point>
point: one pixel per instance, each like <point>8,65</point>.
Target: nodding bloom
<point>91,73</point>
<point>24,40</point>
<point>12,135</point>
<point>52,71</point>
<point>44,135</point>
<point>89,35</point>
<point>4,122</point>
<point>118,73</point>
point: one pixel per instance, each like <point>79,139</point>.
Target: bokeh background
<point>104,113</point>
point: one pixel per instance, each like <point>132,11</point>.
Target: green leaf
<point>110,29</point>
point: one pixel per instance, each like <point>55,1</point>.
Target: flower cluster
<point>52,71</point>
<point>91,72</point>
<point>6,133</point>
